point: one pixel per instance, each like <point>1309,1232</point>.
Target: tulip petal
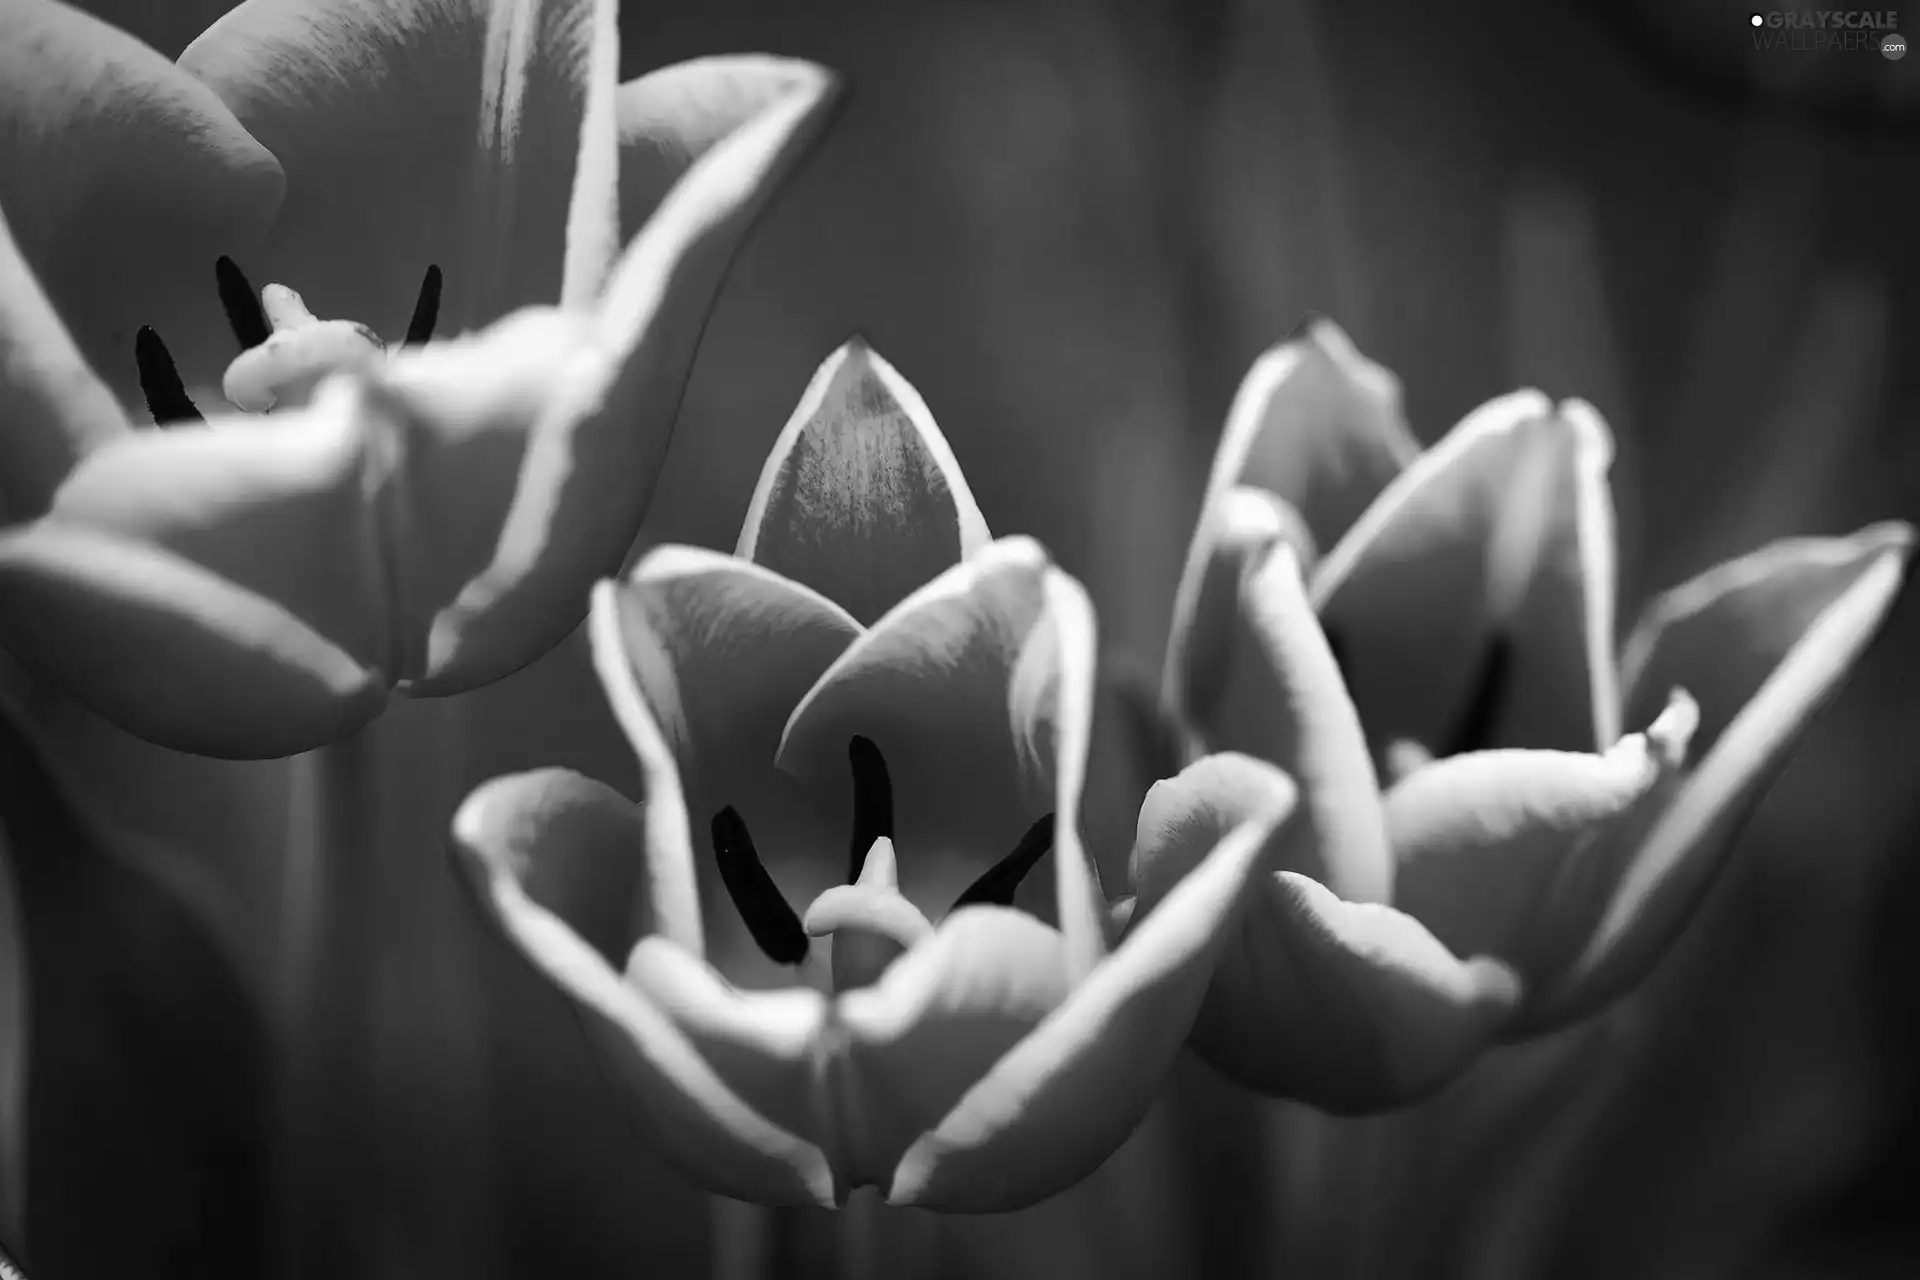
<point>933,1026</point>
<point>1482,839</point>
<point>282,511</point>
<point>171,652</point>
<point>1066,1096</point>
<point>681,1102</point>
<point>1349,1007</point>
<point>1284,701</point>
<point>1187,815</point>
<point>1474,601</point>
<point>53,410</point>
<point>1768,640</point>
<point>1236,530</point>
<point>861,498</point>
<point>1319,426</point>
<point>718,652</point>
<point>444,132</point>
<point>123,180</point>
<point>669,118</point>
<point>1052,703</point>
<point>576,847</point>
<point>584,482</point>
<point>932,684</point>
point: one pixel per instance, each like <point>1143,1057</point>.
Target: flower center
<point>870,921</point>
<point>285,349</point>
<point>1472,728</point>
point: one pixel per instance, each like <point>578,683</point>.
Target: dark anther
<point>1003,878</point>
<point>755,896</point>
<point>166,396</point>
<point>244,316</point>
<point>872,803</point>
<point>426,310</point>
<point>1485,698</point>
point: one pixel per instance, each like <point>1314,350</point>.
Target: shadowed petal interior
<point>933,686</point>
<point>722,651</point>
<point>480,180</point>
<point>123,180</point>
<point>1475,599</point>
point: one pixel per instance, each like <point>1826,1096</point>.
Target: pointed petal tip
<point>861,495</point>
<point>1591,432</point>
<point>1887,536</point>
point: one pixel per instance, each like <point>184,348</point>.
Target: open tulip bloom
<point>843,730</point>
<point>1362,614</point>
<point>1356,611</point>
<point>411,516</point>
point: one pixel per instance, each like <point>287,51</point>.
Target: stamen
<point>426,310</point>
<point>755,896</point>
<point>1486,697</point>
<point>167,398</point>
<point>1002,879</point>
<point>244,315</point>
<point>872,803</point>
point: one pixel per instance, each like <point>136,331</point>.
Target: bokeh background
<point>1073,224</point>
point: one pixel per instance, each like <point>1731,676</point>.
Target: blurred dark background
<point>1073,224</point>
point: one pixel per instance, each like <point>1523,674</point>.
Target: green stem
<point>387,1132</point>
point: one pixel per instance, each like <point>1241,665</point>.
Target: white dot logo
<point>1757,20</point>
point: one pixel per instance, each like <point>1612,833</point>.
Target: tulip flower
<point>1354,610</point>
<point>869,663</point>
<point>410,518</point>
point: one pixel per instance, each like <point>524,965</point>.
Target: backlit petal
<point>720,651</point>
<point>933,685</point>
<point>1066,1096</point>
<point>1766,641</point>
<point>1236,530</point>
<point>669,118</point>
<point>682,1103</point>
<point>171,652</point>
<point>1483,840</point>
<point>1285,701</point>
<point>439,132</point>
<point>123,180</point>
<point>593,454</point>
<point>1319,426</point>
<point>281,509</point>
<point>912,1045</point>
<point>1473,602</point>
<point>861,498</point>
<point>1349,1007</point>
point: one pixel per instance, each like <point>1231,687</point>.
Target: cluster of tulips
<point>1400,797</point>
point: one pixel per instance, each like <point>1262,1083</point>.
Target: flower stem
<point>386,1133</point>
<point>742,1239</point>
